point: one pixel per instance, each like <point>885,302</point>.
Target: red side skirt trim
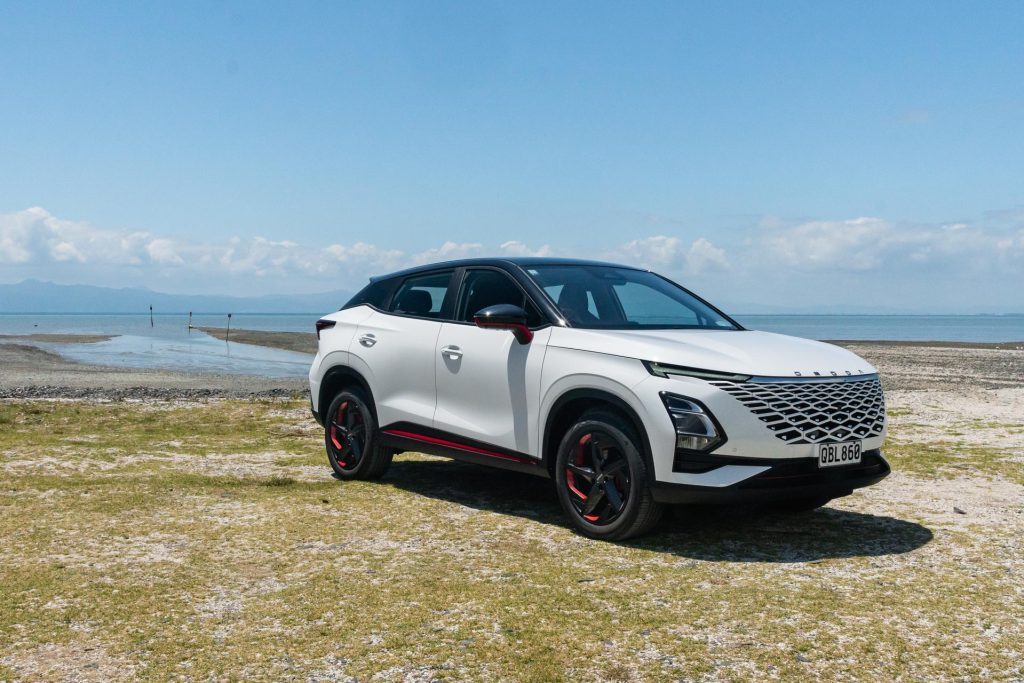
<point>454,444</point>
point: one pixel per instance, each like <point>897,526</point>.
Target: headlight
<point>696,429</point>
<point>663,370</point>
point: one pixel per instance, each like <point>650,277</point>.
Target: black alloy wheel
<point>601,478</point>
<point>350,435</point>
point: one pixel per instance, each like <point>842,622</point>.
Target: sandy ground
<point>966,395</point>
<point>472,573</point>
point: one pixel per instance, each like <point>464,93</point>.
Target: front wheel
<point>350,434</point>
<point>602,481</point>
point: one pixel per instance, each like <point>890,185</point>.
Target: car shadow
<point>714,533</point>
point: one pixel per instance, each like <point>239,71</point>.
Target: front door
<point>488,384</point>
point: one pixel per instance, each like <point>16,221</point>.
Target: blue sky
<point>821,154</point>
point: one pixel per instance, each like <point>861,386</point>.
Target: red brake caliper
<point>334,428</point>
<point>570,476</point>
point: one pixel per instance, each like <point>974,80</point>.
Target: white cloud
<point>704,256</point>
<point>35,243</point>
<point>66,251</point>
<point>516,248</point>
<point>872,243</point>
<point>164,251</point>
<point>671,253</point>
<point>34,237</point>
<point>449,251</point>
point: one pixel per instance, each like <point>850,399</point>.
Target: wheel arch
<point>568,407</point>
<point>338,378</point>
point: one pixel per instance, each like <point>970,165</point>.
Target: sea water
<point>169,344</point>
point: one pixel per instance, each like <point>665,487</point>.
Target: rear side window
<point>422,295</point>
<point>374,294</point>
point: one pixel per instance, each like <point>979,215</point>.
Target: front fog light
<point>695,428</point>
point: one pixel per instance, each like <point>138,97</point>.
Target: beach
<point>164,524</point>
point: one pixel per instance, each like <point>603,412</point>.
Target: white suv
<point>626,389</point>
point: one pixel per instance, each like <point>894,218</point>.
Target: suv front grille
<point>814,411</point>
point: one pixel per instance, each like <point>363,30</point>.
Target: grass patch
<point>946,460</point>
<point>196,541</point>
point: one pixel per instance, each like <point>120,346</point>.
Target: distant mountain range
<point>33,296</point>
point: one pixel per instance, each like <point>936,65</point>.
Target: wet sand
<point>303,342</point>
<point>31,372</point>
<point>58,338</point>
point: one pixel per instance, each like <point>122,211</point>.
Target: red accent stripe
<point>453,444</point>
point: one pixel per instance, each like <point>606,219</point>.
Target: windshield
<point>606,297</point>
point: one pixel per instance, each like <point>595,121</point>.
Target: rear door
<point>397,349</point>
<point>488,384</point>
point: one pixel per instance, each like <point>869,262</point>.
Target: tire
<point>802,504</point>
<point>602,481</point>
<point>350,436</point>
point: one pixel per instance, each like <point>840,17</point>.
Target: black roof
<point>503,261</point>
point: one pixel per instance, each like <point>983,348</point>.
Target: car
<point>627,390</point>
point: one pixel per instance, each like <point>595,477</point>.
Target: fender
<point>592,392</point>
<point>351,376</point>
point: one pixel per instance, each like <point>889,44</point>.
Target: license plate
<point>835,454</point>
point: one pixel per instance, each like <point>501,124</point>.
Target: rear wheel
<point>602,481</point>
<point>350,435</point>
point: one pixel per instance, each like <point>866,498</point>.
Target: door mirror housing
<point>505,317</point>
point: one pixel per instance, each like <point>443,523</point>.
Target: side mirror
<point>505,317</point>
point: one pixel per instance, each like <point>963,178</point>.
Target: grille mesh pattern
<point>812,412</point>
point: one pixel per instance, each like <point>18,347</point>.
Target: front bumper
<point>777,480</point>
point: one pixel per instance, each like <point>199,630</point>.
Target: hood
<point>744,352</point>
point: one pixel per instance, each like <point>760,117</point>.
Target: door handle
<point>368,340</point>
<point>453,352</point>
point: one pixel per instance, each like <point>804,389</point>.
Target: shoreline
<point>34,372</point>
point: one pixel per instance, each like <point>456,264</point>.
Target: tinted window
<point>422,295</point>
<point>609,297</point>
<point>650,306</point>
<point>374,294</point>
<point>483,288</point>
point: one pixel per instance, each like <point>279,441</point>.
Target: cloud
<point>37,244</point>
<point>866,243</point>
<point>662,252</point>
<point>516,248</point>
<point>42,244</point>
<point>34,237</point>
<point>164,251</point>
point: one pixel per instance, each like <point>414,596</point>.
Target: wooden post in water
<point>228,333</point>
<point>151,315</point>
<point>190,322</point>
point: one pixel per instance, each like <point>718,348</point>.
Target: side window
<point>422,295</point>
<point>374,294</point>
<point>483,288</point>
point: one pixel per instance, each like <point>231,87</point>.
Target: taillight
<point>323,325</point>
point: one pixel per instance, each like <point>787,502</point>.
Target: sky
<point>799,155</point>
